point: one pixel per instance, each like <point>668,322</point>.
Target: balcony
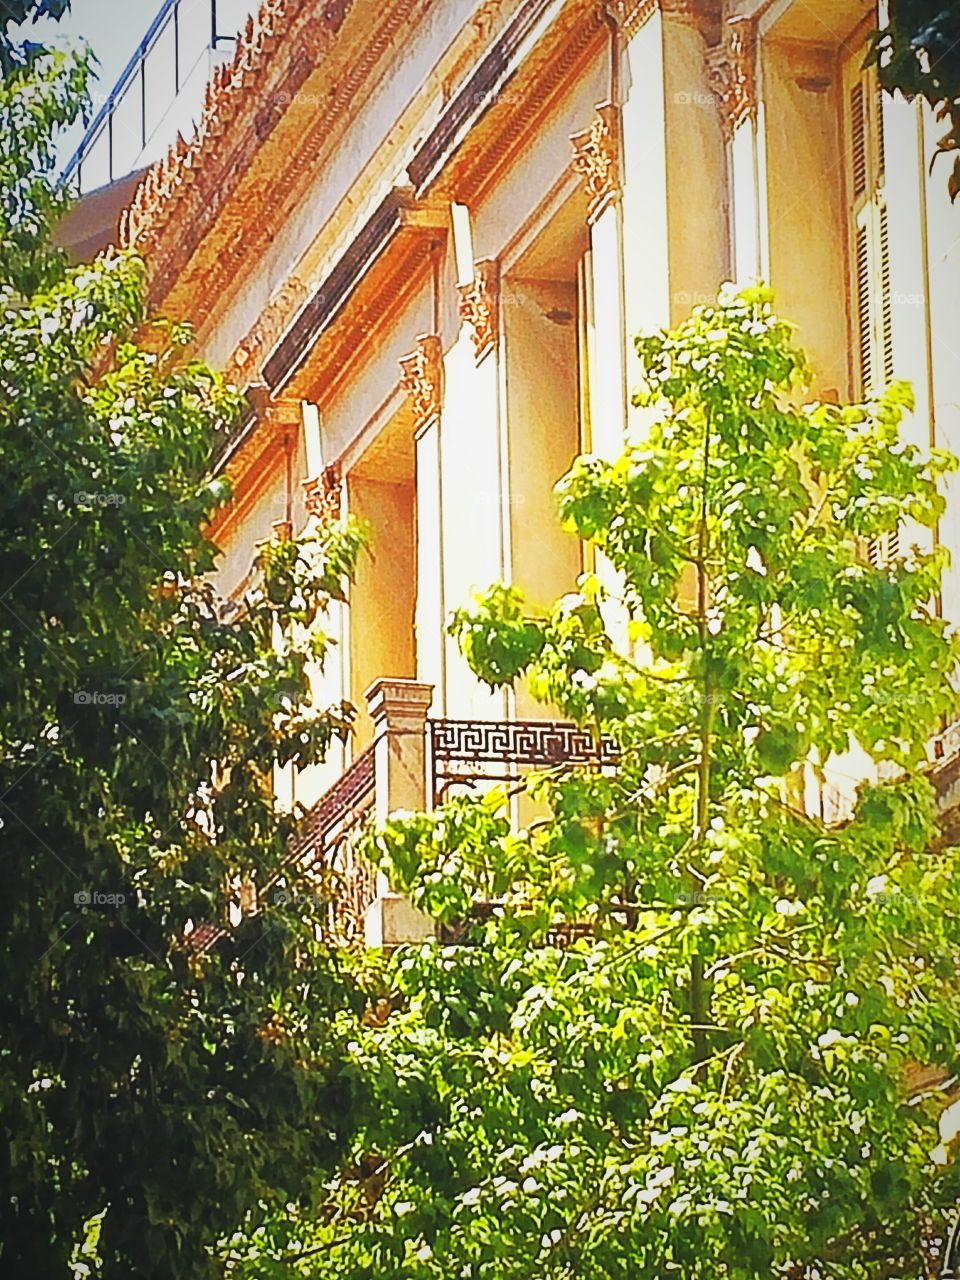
<point>413,764</point>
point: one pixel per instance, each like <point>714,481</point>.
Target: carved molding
<point>422,377</point>
<point>731,72</point>
<point>628,15</point>
<point>488,11</point>
<point>264,335</point>
<point>479,306</point>
<point>323,495</point>
<point>596,157</point>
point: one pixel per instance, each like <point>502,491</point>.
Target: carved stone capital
<point>422,374</point>
<point>322,494</point>
<point>596,157</point>
<point>731,71</point>
<point>479,306</point>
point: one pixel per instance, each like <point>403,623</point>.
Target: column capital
<point>596,157</point>
<point>478,305</point>
<point>422,378</point>
<point>731,73</point>
<point>322,494</point>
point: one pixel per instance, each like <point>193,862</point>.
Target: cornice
<point>208,213</point>
<point>274,55</point>
<point>488,121</point>
<point>370,275</point>
<point>250,468</point>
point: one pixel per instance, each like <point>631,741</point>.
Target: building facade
<point>421,234</point>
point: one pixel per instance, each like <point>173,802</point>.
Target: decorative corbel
<point>322,495</point>
<point>731,72</point>
<point>479,306</point>
<point>421,376</point>
<point>596,157</point>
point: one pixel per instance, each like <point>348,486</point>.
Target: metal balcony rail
<point>467,752</point>
<point>170,57</point>
<point>323,853</point>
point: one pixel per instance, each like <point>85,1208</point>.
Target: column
<point>472,475</point>
<point>731,72</point>
<point>398,709</point>
<point>321,500</point>
<point>422,377</point>
<point>645,244</point>
<point>596,158</point>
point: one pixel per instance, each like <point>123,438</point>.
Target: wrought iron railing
<point>171,61</point>
<point>470,752</point>
<point>323,857</point>
<point>324,851</point>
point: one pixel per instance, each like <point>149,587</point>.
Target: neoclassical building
<point>421,233</point>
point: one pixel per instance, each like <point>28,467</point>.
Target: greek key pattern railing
<point>342,886</point>
<point>469,751</point>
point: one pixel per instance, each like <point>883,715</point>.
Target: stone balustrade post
<point>398,708</point>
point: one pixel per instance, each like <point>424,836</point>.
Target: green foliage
<point>150,1096</point>
<point>682,1040</point>
<point>918,52</point>
<point>15,51</point>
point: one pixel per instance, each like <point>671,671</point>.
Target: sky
<point>114,28</point>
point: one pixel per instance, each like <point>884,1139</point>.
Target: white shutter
<point>871,302</point>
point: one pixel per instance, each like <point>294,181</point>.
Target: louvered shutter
<point>871,301</point>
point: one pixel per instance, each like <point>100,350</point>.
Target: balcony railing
<point>159,92</point>
<point>413,763</point>
<point>470,752</point>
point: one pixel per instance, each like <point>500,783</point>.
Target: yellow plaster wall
<point>383,596</point>
<point>805,203</point>
<point>696,194</point>
<point>542,398</point>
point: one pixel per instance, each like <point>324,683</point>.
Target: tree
<point>918,52</point>
<point>151,1092</point>
<point>688,1038</point>
<point>16,13</point>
